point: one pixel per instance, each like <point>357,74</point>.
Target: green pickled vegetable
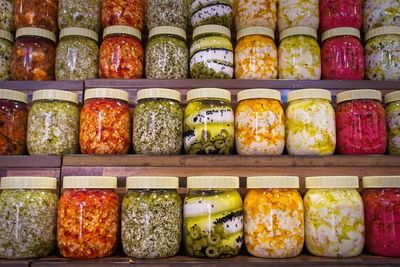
<point>393,119</point>
<point>167,13</point>
<point>5,59</point>
<point>6,15</point>
<point>151,223</point>
<point>28,223</point>
<point>53,128</point>
<point>82,14</point>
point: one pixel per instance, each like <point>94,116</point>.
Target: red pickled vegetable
<point>123,12</point>
<point>340,13</point>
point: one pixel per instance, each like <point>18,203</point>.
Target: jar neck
<point>207,35</point>
<point>173,36</point>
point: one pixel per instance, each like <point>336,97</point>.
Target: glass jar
<point>123,12</point>
<point>256,56</point>
<point>208,122</point>
<point>173,13</point>
<point>379,13</point>
<point>167,56</point>
<point>13,121</point>
<point>310,123</point>
<point>259,123</point>
<point>342,55</point>
<point>382,53</point>
<point>392,101</point>
<point>340,13</point>
<point>81,14</point>
<point>273,217</point>
<point>28,211</point>
<point>381,197</point>
<point>33,56</point>
<point>105,124</point>
<point>211,53</point>
<point>215,12</point>
<point>121,53</point>
<point>53,123</point>
<point>151,217</point>
<point>299,55</point>
<point>6,15</point>
<point>334,216</point>
<point>259,13</point>
<point>157,122</point>
<point>6,44</point>
<point>77,55</point>
<point>36,13</point>
<point>298,13</point>
<point>213,217</point>
<point>88,217</point>
<point>360,123</point>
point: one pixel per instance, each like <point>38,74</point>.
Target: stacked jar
<point>173,13</point>
<point>6,44</point>
<point>298,13</point>
<point>255,14</point>
<point>340,13</point>
<point>6,11</point>
<point>123,12</point>
<point>381,13</point>
<point>215,12</point>
<point>81,14</point>
<point>392,101</point>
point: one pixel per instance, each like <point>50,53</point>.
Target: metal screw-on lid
<point>332,182</point>
<point>298,31</point>
<point>119,29</point>
<point>273,182</point>
<point>209,93</point>
<point>342,31</point>
<point>106,93</point>
<point>210,29</point>
<point>96,182</point>
<point>50,94</point>
<point>152,182</point>
<point>255,31</point>
<point>13,95</point>
<point>359,94</point>
<point>381,182</point>
<point>259,93</point>
<point>30,31</point>
<point>309,93</point>
<point>167,30</point>
<point>6,35</point>
<point>211,182</point>
<point>382,31</point>
<point>158,93</point>
<point>28,182</point>
<point>75,31</point>
<point>392,97</point>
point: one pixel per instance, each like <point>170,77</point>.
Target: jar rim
<point>255,31</point>
<point>92,182</point>
<point>31,31</point>
<point>13,95</point>
<point>298,31</point>
<point>54,94</point>
<point>259,182</point>
<point>216,93</point>
<point>6,35</point>
<point>121,29</point>
<point>158,93</point>
<point>358,94</point>
<point>152,182</point>
<point>309,93</point>
<point>381,182</point>
<point>213,182</point>
<point>210,29</point>
<point>342,31</point>
<point>170,30</point>
<point>28,182</point>
<point>384,30</point>
<point>106,93</point>
<point>322,182</point>
<point>257,93</point>
<point>76,31</point>
<point>392,97</point>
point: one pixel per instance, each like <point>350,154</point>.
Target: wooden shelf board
<point>15,263</point>
<point>26,161</point>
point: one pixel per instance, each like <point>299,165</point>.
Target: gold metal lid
<point>6,35</point>
<point>28,182</point>
<point>309,93</point>
<point>210,29</point>
<point>342,31</point>
<point>30,31</point>
<point>119,29</point>
<point>255,31</point>
<point>106,93</point>
<point>382,31</point>
<point>152,182</point>
<point>298,31</point>
<point>332,182</point>
<point>273,182</point>
<point>13,95</point>
<point>211,182</point>
<point>158,93</point>
<point>259,93</point>
<point>75,31</point>
<point>381,182</point>
<point>209,93</point>
<point>50,94</point>
<point>358,94</point>
<point>392,97</point>
<point>167,30</point>
<point>95,182</point>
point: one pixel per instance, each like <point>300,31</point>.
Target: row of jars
<point>273,221</point>
<point>208,125</point>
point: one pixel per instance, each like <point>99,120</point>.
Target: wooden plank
<point>25,161</point>
<point>15,263</point>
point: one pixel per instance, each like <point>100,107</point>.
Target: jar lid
<point>158,93</point>
<point>97,182</point>
<point>6,35</point>
<point>210,182</point>
<point>259,93</point>
<point>381,182</point>
<point>382,31</point>
<point>332,182</point>
<point>273,182</point>
<point>167,30</point>
<point>28,182</point>
<point>106,93</point>
<point>255,31</point>
<point>209,93</point>
<point>392,97</point>
<point>340,32</point>
<point>358,94</point>
<point>50,94</point>
<point>13,95</point>
<point>152,182</point>
<point>298,31</point>
<point>75,31</point>
<point>120,29</point>
<point>29,31</point>
<point>309,93</point>
<point>211,28</point>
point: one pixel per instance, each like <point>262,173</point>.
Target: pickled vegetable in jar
<point>6,44</point>
<point>123,12</point>
<point>213,217</point>
<point>167,56</point>
<point>379,13</point>
<point>340,13</point>
<point>299,55</point>
<point>342,55</point>
<point>259,123</point>
<point>310,123</point>
<point>382,53</point>
<point>208,122</point>
<point>217,12</point>
<point>37,14</point>
<point>28,211</point>
<point>211,53</point>
<point>121,53</point>
<point>334,216</point>
<point>298,13</point>
<point>13,121</point>
<point>53,123</point>
<point>6,15</point>
<point>381,197</point>
<point>256,56</point>
<point>88,217</point>
<point>105,123</point>
<point>151,217</point>
<point>360,123</point>
<point>157,122</point>
<point>33,55</point>
<point>273,217</point>
<point>173,13</point>
<point>392,101</point>
<point>255,13</point>
<point>81,14</point>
